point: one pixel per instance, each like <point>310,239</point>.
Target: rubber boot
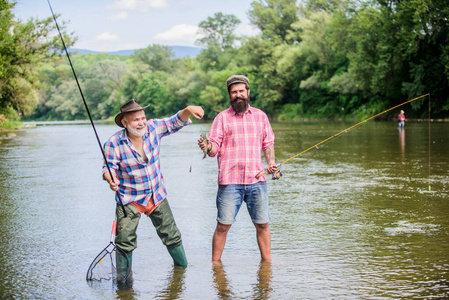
<point>123,262</point>
<point>179,256</point>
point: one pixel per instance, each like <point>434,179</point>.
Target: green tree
<point>274,18</point>
<point>217,35</point>
<point>23,46</point>
<point>218,30</point>
<point>316,58</point>
<point>426,44</point>
<point>157,57</point>
<point>61,103</point>
<point>152,90</point>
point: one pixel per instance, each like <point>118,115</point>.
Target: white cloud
<point>247,30</point>
<point>179,33</point>
<point>155,3</point>
<point>124,4</point>
<point>107,36</point>
<point>138,4</point>
<point>119,16</point>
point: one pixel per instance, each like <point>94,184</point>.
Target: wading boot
<point>179,256</point>
<point>123,262</point>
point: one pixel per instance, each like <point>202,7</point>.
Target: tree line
<point>313,58</point>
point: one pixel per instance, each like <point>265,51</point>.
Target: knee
<point>222,228</point>
<point>262,227</point>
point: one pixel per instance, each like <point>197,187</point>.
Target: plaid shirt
<point>140,181</point>
<point>239,140</point>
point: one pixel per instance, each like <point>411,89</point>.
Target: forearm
<point>269,156</point>
<point>113,182</point>
<point>107,177</point>
<point>185,114</point>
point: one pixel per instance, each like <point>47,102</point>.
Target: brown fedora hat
<point>129,106</point>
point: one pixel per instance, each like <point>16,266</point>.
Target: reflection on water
<point>175,284</point>
<point>261,290</point>
<point>353,219</point>
<point>402,142</point>
<point>222,285</point>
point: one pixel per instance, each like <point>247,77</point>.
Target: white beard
<point>136,132</point>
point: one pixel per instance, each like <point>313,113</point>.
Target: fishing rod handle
<point>114,227</point>
<point>261,174</point>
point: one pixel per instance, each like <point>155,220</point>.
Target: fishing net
<point>104,266</point>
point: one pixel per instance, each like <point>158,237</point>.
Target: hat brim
<point>119,117</point>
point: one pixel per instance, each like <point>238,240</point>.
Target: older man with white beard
<point>133,158</point>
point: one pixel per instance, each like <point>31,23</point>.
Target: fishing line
<point>85,104</point>
<point>329,139</point>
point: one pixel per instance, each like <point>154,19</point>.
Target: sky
<point>113,25</point>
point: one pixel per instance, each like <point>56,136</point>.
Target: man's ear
<point>123,122</point>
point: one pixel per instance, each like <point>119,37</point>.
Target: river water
<point>353,219</point>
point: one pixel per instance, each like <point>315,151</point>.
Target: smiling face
<point>239,97</point>
<point>135,123</point>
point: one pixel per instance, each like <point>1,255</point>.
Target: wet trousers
<point>163,222</point>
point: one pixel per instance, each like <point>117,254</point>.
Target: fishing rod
<point>87,107</point>
<point>278,174</point>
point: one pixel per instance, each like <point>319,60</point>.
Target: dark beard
<point>240,107</point>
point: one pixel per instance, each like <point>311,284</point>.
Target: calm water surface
<point>353,219</point>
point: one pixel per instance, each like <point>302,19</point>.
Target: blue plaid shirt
<point>140,181</point>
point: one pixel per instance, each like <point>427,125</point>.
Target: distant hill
<point>180,51</point>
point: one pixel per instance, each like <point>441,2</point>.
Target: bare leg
<point>219,241</point>
<point>264,240</point>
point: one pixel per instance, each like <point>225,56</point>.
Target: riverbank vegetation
<point>311,59</point>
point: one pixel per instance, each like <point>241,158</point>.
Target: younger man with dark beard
<point>237,137</point>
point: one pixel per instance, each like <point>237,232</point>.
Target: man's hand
<point>113,185</point>
<point>113,182</point>
<point>191,110</point>
<point>203,145</point>
<point>196,111</point>
<point>272,168</point>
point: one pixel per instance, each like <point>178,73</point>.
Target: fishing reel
<point>275,176</point>
<point>278,174</point>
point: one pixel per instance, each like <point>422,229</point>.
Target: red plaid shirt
<point>239,140</point>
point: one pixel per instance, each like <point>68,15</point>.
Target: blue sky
<point>112,25</point>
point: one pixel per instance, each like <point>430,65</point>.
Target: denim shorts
<point>230,198</point>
